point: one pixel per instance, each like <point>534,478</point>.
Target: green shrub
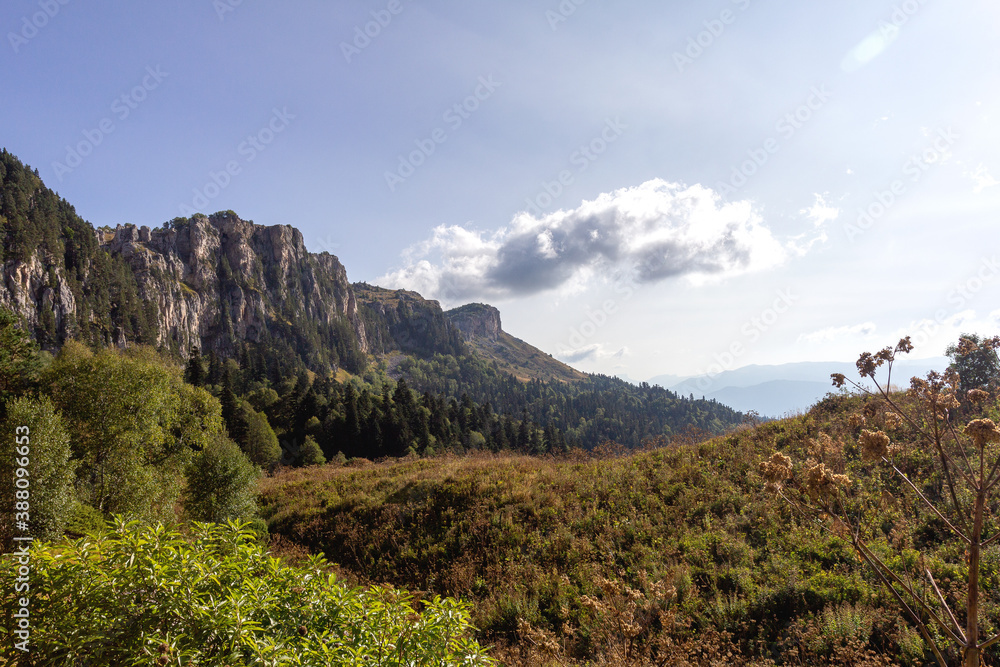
<point>221,483</point>
<point>35,438</point>
<point>140,594</point>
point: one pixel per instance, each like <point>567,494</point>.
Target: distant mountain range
<point>777,390</point>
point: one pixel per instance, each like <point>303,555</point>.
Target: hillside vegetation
<point>675,555</point>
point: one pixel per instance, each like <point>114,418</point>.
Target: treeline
<point>316,419</point>
<point>306,420</point>
<point>586,413</point>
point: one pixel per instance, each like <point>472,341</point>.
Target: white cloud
<point>821,212</point>
<point>592,352</point>
<point>830,334</point>
<point>982,178</point>
<point>654,231</point>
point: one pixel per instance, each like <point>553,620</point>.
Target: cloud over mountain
<point>654,231</point>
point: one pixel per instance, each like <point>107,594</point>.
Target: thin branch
<point>989,642</point>
<point>912,422</point>
<point>993,478</point>
<point>990,541</point>
<point>884,572</point>
<point>969,478</point>
<point>951,428</point>
<point>944,604</point>
<point>941,516</point>
<point>947,472</point>
<point>899,598</point>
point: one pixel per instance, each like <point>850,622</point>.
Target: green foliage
<point>35,438</point>
<point>260,443</point>
<point>310,454</point>
<point>221,483</point>
<point>18,357</point>
<point>129,418</point>
<point>581,414</point>
<point>976,362</point>
<point>137,595</point>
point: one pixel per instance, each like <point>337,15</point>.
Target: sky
<point>642,188</point>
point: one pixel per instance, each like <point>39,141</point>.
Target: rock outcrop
<point>219,278</point>
<point>208,282</point>
<point>476,321</point>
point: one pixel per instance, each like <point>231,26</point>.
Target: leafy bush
<point>142,595</point>
<point>36,438</point>
<point>221,483</point>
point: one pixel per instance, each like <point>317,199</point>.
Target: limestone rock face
<point>214,281</point>
<point>29,292</point>
<point>476,321</point>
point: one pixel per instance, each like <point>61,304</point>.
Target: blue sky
<point>641,187</point>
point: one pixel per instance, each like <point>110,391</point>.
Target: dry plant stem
<point>973,650</point>
<point>993,478</point>
<point>954,435</point>
<point>958,533</point>
<point>884,572</point>
<point>899,598</point>
<point>944,604</point>
<point>990,642</point>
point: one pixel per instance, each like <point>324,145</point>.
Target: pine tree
<point>194,373</point>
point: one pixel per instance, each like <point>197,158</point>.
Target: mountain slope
<point>481,328</point>
<point>254,296</point>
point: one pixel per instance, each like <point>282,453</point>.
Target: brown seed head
<point>892,421</point>
<point>982,431</point>
<point>977,395</point>
<point>821,482</point>
<point>777,469</point>
<point>874,445</point>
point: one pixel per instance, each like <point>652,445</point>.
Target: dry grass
<point>569,561</point>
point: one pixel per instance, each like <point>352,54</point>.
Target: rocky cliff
<point>476,320</point>
<point>223,285</point>
<point>217,280</point>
